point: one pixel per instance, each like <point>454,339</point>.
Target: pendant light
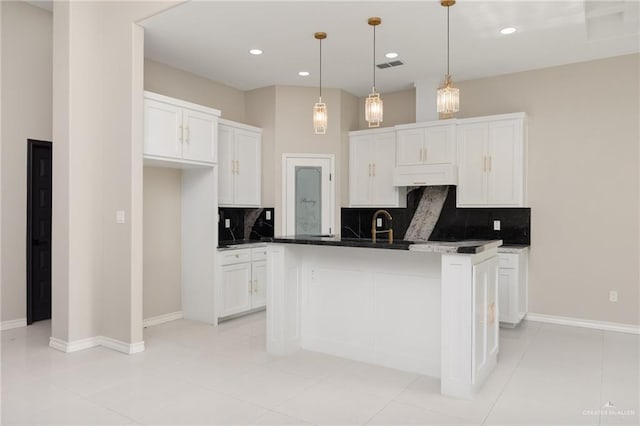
<point>320,108</point>
<point>373,103</point>
<point>448,96</point>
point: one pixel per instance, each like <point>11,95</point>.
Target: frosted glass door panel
<point>308,200</point>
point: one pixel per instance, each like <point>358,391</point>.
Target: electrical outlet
<point>120,216</point>
<point>613,296</point>
<point>496,225</point>
<point>227,223</point>
<point>378,222</point>
<point>268,214</point>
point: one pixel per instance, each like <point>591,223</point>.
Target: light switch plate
<point>120,216</point>
<point>496,225</point>
<point>227,223</point>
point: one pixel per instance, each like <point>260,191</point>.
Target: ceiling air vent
<point>390,64</point>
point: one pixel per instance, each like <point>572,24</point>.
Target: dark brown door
<point>38,231</point>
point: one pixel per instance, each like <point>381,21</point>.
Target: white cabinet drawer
<point>507,260</point>
<point>259,253</point>
<point>229,257</point>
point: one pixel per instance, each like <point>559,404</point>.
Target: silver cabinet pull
<point>374,169</point>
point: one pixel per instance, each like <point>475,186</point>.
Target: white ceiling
<point>212,39</point>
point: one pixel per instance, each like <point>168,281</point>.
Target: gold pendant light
<point>320,108</point>
<point>373,104</point>
<point>448,95</point>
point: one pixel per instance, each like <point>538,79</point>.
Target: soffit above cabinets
<point>212,39</point>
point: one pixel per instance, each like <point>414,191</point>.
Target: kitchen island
<point>429,308</point>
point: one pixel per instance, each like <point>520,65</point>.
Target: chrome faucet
<point>373,226</point>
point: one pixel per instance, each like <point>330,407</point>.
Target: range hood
<point>426,175</point>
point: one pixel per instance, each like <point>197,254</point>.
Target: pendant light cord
<point>320,68</point>
<point>374,58</point>
<point>448,7</point>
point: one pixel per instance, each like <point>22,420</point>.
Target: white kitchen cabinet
<point>426,143</point>
<point>491,161</point>
<point>426,154</point>
<point>371,165</point>
<point>513,283</point>
<point>485,318</point>
<point>240,160</point>
<point>179,131</point>
<point>243,279</point>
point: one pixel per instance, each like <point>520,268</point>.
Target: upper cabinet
<point>372,157</point>
<point>426,154</point>
<point>178,131</point>
<point>491,161</point>
<point>240,159</point>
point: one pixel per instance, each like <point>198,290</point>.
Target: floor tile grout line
<point>506,383</point>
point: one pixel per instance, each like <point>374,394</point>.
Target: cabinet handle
<point>421,155</point>
<point>369,169</point>
<point>426,153</point>
<point>374,169</point>
<point>237,167</point>
<point>419,183</point>
<point>255,282</point>
<point>180,132</point>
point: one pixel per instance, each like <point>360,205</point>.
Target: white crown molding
<point>16,323</point>
<point>585,323</point>
<point>161,319</point>
<point>107,342</point>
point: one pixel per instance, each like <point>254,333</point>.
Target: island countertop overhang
<point>451,247</point>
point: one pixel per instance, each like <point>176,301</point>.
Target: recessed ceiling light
<point>255,52</point>
<point>508,30</point>
<point>303,73</point>
<point>391,55</point>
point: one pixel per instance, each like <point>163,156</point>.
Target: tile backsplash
<point>453,224</point>
<point>245,224</point>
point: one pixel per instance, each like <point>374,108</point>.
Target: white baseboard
<point>586,323</point>
<point>16,323</point>
<point>161,319</point>
<point>107,342</point>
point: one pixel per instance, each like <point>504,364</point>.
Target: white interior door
<point>308,195</point>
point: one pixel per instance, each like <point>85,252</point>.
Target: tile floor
<point>192,373</point>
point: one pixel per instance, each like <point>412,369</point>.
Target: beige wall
<point>399,108</point>
<point>162,241</point>
<point>26,113</point>
<point>583,181</point>
<point>169,81</point>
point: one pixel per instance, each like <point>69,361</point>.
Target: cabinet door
<point>505,163</point>
<point>248,158</point>
<point>485,318</point>
<point>259,275</point>
<point>384,193</point>
<point>226,168</point>
<point>360,170</point>
<point>410,147</point>
<point>236,289</point>
<point>162,129</point>
<point>200,136</point>
<point>439,145</point>
<point>472,176</point>
<point>508,294</point>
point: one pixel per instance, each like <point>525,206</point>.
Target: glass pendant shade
<point>320,117</point>
<point>448,97</point>
<point>373,109</point>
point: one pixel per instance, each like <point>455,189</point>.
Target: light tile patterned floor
<point>193,373</point>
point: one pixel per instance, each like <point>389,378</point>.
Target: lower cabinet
<point>243,275</point>
<point>513,282</point>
